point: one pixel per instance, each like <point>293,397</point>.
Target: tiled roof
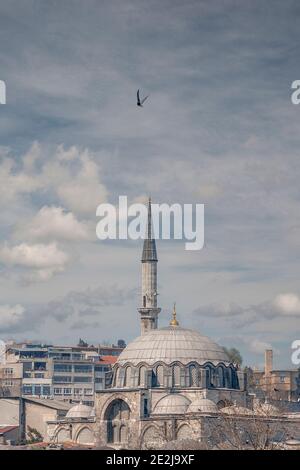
<point>56,404</point>
<point>107,360</point>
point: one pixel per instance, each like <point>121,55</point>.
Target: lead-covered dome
<point>203,405</point>
<point>80,411</point>
<point>171,344</point>
<point>172,404</point>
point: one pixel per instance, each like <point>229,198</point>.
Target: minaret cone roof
<point>149,248</point>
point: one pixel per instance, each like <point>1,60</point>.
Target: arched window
<point>159,376</point>
<point>221,377</point>
<point>117,416</point>
<point>176,376</point>
<point>123,433</point>
<point>116,375</point>
<point>127,377</point>
<point>229,377</point>
<point>193,375</point>
<point>209,377</point>
<point>142,376</point>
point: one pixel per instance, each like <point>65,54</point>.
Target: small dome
<point>203,405</point>
<point>236,410</point>
<point>172,404</point>
<point>171,344</point>
<point>79,411</point>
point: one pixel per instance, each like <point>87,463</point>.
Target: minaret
<point>149,310</point>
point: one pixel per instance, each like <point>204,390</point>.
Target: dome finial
<point>174,321</point>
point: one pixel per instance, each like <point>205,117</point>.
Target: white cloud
<point>258,347</point>
<point>14,183</point>
<point>54,223</point>
<point>84,192</point>
<point>44,260</point>
<point>287,304</point>
<point>71,175</point>
<point>10,315</point>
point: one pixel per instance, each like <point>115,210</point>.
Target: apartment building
<point>61,372</point>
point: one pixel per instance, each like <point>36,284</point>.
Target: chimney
<point>268,369</point>
<point>268,361</point>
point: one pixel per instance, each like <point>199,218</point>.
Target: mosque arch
<point>151,437</point>
<point>117,417</point>
<point>63,435</point>
<point>85,436</point>
<point>184,432</point>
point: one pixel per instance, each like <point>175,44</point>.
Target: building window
<point>39,375</point>
<point>282,379</point>
<point>39,365</point>
<point>88,391</point>
<point>37,390</point>
<point>46,390</point>
<point>27,389</point>
<point>83,379</point>
<point>98,380</point>
<point>62,368</point>
<point>83,368</point>
<point>78,391</point>
<point>67,391</point>
<point>58,391</point>
<point>62,379</point>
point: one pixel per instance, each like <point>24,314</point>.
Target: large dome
<point>172,344</point>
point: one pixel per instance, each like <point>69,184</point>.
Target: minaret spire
<point>149,249</point>
<point>149,310</point>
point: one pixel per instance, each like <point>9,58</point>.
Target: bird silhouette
<point>139,101</point>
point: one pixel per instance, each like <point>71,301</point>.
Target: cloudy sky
<point>218,128</point>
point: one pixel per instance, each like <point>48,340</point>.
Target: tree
<point>262,428</point>
<point>234,355</point>
<point>33,435</point>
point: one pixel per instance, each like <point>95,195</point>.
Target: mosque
<point>166,379</point>
<point>163,384</point>
<point>166,385</point>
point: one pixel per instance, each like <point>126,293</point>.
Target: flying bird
<point>139,101</point>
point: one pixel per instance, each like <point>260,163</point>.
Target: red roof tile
<point>107,360</point>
